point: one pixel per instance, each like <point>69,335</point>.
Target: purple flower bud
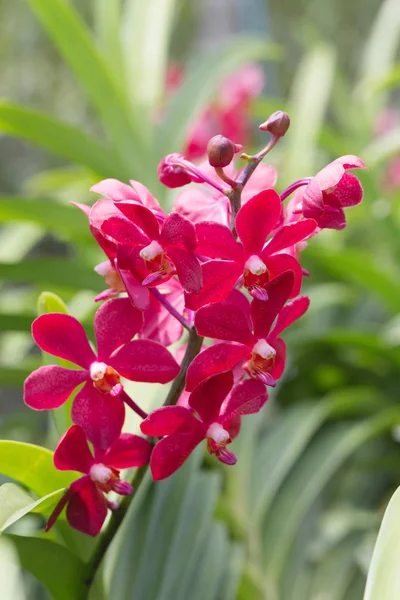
<point>277,124</point>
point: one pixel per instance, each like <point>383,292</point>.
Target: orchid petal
<point>257,218</point>
<point>87,510</point>
<point>179,232</point>
<point>348,192</point>
<point>145,360</point>
<point>290,235</point>
<point>115,189</point>
<point>141,217</point>
<point>280,357</point>
<point>207,397</point>
<point>63,336</point>
<point>290,313</point>
<point>281,263</point>
<point>101,416</point>
<point>219,278</point>
<point>116,323</point>
<point>171,452</point>
<point>215,359</point>
<point>169,420</point>
<point>263,312</point>
<point>217,241</point>
<point>223,321</point>
<point>72,452</point>
<point>50,386</point>
<point>138,294</point>
<point>188,269</point>
<point>123,231</point>
<point>247,397</point>
<point>127,451</point>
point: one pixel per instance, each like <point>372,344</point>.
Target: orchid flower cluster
<point>224,265</point>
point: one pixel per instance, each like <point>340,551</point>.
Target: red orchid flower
<point>154,253</point>
<point>98,407</point>
<point>85,498</point>
<point>251,259</point>
<point>258,347</point>
<point>330,191</point>
<point>197,204</point>
<point>217,421</point>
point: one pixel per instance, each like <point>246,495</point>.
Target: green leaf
<point>60,571</point>
<point>146,31</point>
<point>15,503</point>
<point>382,148</point>
<point>58,137</point>
<point>309,100</point>
<point>64,220</point>
<point>53,272</point>
<point>203,77</point>
<point>76,45</point>
<point>107,15</point>
<point>355,266</point>
<point>383,576</point>
<point>49,302</point>
<point>33,467</point>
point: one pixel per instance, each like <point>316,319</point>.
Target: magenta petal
<point>159,325</point>
<point>263,312</point>
<point>279,263</point>
<point>171,452</point>
<point>246,398</point>
<point>114,189</point>
<point>219,278</point>
<point>332,218</point>
<point>328,177</point>
<point>217,241</point>
<point>290,313</point>
<point>115,323</point>
<point>223,321</point>
<point>350,162</point>
<point>291,234</point>
<point>348,192</point>
<point>138,295</point>
<point>188,269</point>
<point>171,419</point>
<point>226,456</point>
<point>312,200</point>
<point>87,510</point>
<point>63,336</point>
<point>142,217</point>
<point>50,386</point>
<point>145,360</point>
<point>280,358</point>
<point>72,452</point>
<point>101,416</point>
<point>215,359</point>
<point>207,397</point>
<point>127,451</point>
<point>124,231</point>
<point>179,232</point>
<point>257,218</point>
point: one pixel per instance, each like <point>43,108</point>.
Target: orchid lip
<point>99,473</point>
<point>263,349</point>
<point>151,251</point>
<point>97,371</point>
<point>217,433</point>
<point>255,265</point>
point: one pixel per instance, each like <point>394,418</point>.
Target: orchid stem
<point>162,299</point>
<point>293,187</point>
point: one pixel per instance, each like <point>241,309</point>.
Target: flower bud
<point>171,173</point>
<point>221,151</point>
<point>277,124</point>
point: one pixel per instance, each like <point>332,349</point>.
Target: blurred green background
<point>297,518</point>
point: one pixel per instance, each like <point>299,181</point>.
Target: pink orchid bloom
<point>85,498</point>
<point>330,191</point>
<point>251,259</point>
<point>118,191</point>
<point>258,346</point>
<point>216,421</point>
<point>157,252</point>
<point>197,204</point>
<point>99,406</point>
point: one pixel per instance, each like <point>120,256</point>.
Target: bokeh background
<point>93,90</point>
